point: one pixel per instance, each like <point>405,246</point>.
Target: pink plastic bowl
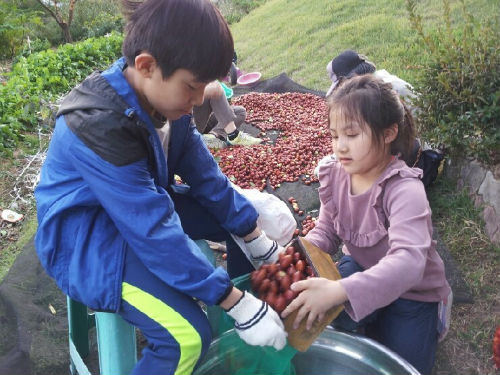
<point>249,78</point>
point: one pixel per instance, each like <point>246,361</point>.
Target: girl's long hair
<point>372,102</point>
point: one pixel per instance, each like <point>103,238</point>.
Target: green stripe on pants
<point>183,332</point>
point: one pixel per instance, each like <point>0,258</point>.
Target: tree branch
<point>71,10</point>
<point>54,15</point>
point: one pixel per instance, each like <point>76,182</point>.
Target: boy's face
<point>175,96</point>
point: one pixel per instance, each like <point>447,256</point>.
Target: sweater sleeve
<point>409,240</point>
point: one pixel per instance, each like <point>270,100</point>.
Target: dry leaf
<point>52,310</point>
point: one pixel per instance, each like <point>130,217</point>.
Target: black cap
<point>346,62</point>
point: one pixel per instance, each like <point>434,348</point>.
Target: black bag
<point>429,161</point>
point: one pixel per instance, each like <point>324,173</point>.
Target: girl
<point>393,278</point>
<point>350,64</point>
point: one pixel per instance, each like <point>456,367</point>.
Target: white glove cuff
<point>262,248</point>
<point>242,309</point>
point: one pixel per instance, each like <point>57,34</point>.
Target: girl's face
<point>355,148</point>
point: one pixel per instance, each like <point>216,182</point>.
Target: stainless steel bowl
<point>332,353</point>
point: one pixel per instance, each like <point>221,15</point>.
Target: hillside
<point>300,37</point>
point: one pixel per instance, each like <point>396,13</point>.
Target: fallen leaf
<point>52,310</point>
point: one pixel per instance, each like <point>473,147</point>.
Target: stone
<point>452,169</point>
<point>496,172</point>
<point>490,190</point>
<point>484,187</point>
<point>492,224</point>
<point>478,201</point>
<point>473,175</point>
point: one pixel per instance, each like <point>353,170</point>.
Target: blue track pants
<point>407,327</point>
<point>176,328</point>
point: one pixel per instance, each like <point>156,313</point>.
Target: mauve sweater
<point>388,232</point>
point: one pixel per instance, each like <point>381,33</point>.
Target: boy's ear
<point>390,133</point>
<point>145,64</point>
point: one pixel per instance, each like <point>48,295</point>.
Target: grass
<point>9,254</point>
<point>467,349</point>
<point>14,189</point>
<point>235,10</point>
<point>301,37</point>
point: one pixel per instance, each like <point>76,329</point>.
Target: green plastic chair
<point>206,250</point>
<point>116,339</point>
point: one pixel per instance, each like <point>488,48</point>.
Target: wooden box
<point>323,266</point>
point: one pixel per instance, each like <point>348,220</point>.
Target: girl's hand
<point>317,296</point>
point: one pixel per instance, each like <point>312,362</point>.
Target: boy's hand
<point>264,249</point>
<point>316,296</point>
<point>257,323</point>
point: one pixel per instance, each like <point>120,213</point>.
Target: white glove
<point>264,249</point>
<point>257,323</point>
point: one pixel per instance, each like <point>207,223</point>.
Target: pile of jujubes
<point>271,282</point>
<point>303,140</point>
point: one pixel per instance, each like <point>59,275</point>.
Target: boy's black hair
<point>179,34</point>
<point>372,102</point>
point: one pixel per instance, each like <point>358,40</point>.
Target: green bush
<point>15,25</point>
<point>102,25</point>
<point>91,18</point>
<point>33,46</point>
<point>459,88</point>
<point>234,10</point>
<point>94,18</point>
<point>44,77</point>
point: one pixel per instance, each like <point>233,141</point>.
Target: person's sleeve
<point>323,234</point>
<point>210,187</point>
<point>146,219</point>
<point>410,239</point>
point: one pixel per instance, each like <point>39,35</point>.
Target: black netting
<point>34,340</point>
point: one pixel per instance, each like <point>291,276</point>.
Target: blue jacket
<point>103,189</point>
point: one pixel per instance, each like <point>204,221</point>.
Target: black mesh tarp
<point>33,338</point>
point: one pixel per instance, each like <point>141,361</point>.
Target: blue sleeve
<point>144,215</point>
<point>197,167</point>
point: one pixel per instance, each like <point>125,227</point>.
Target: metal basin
<point>333,352</point>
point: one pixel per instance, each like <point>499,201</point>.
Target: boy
<point>113,226</point>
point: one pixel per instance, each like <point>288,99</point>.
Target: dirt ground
<point>18,178</point>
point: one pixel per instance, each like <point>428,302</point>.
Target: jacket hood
<point>93,93</point>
